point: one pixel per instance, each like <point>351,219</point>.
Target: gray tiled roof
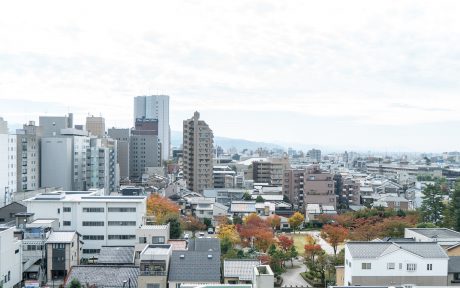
<point>454,264</point>
<point>103,276</point>
<point>195,266</point>
<point>116,255</point>
<point>378,249</point>
<point>204,244</point>
<point>240,268</point>
<point>438,233</point>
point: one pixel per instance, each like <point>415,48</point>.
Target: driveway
<point>292,278</point>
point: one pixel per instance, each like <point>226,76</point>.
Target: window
<point>122,209</point>
<point>66,209</point>
<point>400,266</point>
<point>66,223</point>
<point>142,240</point>
<point>366,266</point>
<point>59,211</point>
<point>16,251</point>
<point>93,237</point>
<point>122,237</point>
<point>93,223</point>
<point>429,267</point>
<point>158,240</point>
<point>122,223</point>
<point>93,210</point>
<point>411,267</point>
<point>91,251</point>
<point>153,285</point>
<point>58,246</point>
<point>390,266</point>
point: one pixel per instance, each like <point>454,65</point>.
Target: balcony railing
<point>153,273</point>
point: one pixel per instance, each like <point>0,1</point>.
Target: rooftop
<point>364,250</point>
<point>104,275</point>
<point>61,237</point>
<point>204,244</point>
<point>178,245</point>
<point>205,266</point>
<point>438,233</point>
<point>242,206</point>
<point>162,249</point>
<point>240,268</point>
<point>116,255</point>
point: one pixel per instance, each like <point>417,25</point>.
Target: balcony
<point>153,273</point>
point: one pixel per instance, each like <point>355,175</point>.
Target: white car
<point>186,236</point>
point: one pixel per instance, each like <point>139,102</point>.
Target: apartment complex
<point>318,187</point>
<point>28,160</point>
<point>96,126</point>
<point>198,155</point>
<point>8,164</point>
<point>156,107</point>
<point>293,180</point>
<point>270,171</point>
<point>101,220</point>
<point>122,135</point>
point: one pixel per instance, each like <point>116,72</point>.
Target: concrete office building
<point>318,187</point>
<point>8,164</point>
<point>64,160</point>
<point>314,155</point>
<point>101,220</point>
<point>293,180</point>
<point>122,136</point>
<point>144,147</point>
<point>98,166</point>
<point>197,151</point>
<point>28,157</point>
<point>156,107</point>
<point>52,125</point>
<point>10,258</point>
<point>96,126</point>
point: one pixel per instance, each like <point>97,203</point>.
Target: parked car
<point>201,234</point>
<point>210,231</point>
<point>186,236</point>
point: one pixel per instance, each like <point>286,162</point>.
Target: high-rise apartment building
<point>95,126</point>
<point>98,165</point>
<point>314,155</point>
<point>144,146</point>
<point>155,107</point>
<point>122,135</point>
<point>197,153</point>
<point>318,187</point>
<point>52,125</point>
<point>270,171</point>
<point>293,182</point>
<point>28,153</point>
<point>7,164</point>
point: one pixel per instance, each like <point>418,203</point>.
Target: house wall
<point>10,258</point>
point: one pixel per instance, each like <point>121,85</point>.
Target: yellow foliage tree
<point>229,232</point>
<point>161,208</point>
<point>296,220</point>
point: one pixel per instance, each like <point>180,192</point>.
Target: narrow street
<point>292,278</point>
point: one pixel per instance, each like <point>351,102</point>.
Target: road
<point>326,246</point>
<point>292,278</point>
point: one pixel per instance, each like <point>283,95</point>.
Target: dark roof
<point>204,244</point>
<point>103,275</point>
<point>454,264</point>
<point>194,266</point>
<point>116,255</point>
<point>16,205</point>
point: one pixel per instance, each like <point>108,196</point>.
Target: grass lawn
<point>299,242</point>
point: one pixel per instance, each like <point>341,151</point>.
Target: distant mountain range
<point>226,143</point>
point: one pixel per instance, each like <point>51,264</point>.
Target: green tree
<point>74,283</point>
<point>207,222</point>
<point>293,253</point>
<point>452,211</point>
<point>237,220</point>
<point>247,196</point>
<point>175,228</point>
<point>260,199</point>
<point>432,204</point>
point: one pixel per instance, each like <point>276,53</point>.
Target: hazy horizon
<point>353,74</point>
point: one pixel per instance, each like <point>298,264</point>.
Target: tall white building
<point>7,164</point>
<point>28,153</point>
<point>101,220</point>
<point>10,258</point>
<point>156,107</point>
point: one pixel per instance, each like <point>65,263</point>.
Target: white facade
<point>10,258</point>
<point>56,162</point>
<point>155,107</point>
<point>28,157</point>
<point>101,220</point>
<point>8,164</point>
<point>394,266</point>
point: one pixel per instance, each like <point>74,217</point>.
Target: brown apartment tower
<point>197,154</point>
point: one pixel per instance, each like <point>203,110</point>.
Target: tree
<point>229,233</point>
<point>160,207</point>
<point>432,204</point>
<point>312,249</point>
<point>453,212</point>
<point>296,220</point>
<point>247,196</point>
<point>260,199</point>
<point>75,283</point>
<point>274,221</point>
<point>285,242</point>
<point>192,223</point>
<point>257,230</point>
<point>175,229</point>
<point>293,253</point>
<point>334,235</point>
<point>207,222</point>
<point>237,220</point>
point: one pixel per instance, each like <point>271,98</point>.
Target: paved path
<point>326,246</point>
<point>292,278</point>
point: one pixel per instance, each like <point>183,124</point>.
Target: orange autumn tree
<point>274,221</point>
<point>161,208</point>
<point>191,223</point>
<point>334,235</point>
<point>312,249</point>
<point>258,230</point>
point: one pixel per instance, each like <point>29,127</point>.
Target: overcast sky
<point>343,74</point>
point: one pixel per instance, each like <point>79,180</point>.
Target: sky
<point>370,75</point>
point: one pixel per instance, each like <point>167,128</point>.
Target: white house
<point>395,263</point>
<point>101,220</point>
<point>443,236</point>
<point>10,258</point>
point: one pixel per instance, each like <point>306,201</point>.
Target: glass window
<point>411,267</point>
<point>366,266</point>
<point>390,266</point>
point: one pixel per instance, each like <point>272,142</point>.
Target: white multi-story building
<point>7,164</point>
<point>395,264</point>
<point>10,258</point>
<point>101,220</point>
<point>155,107</point>
<point>28,157</point>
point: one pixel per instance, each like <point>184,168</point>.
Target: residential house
<point>10,258</point>
<point>154,266</point>
<point>239,271</point>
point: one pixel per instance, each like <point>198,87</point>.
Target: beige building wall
<point>96,125</point>
<point>339,275</point>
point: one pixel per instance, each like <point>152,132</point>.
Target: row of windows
<point>93,237</point>
<point>109,223</point>
<point>392,266</point>
<point>122,237</point>
<point>91,251</point>
<point>101,209</point>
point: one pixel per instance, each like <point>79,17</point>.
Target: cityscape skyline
<point>355,76</point>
